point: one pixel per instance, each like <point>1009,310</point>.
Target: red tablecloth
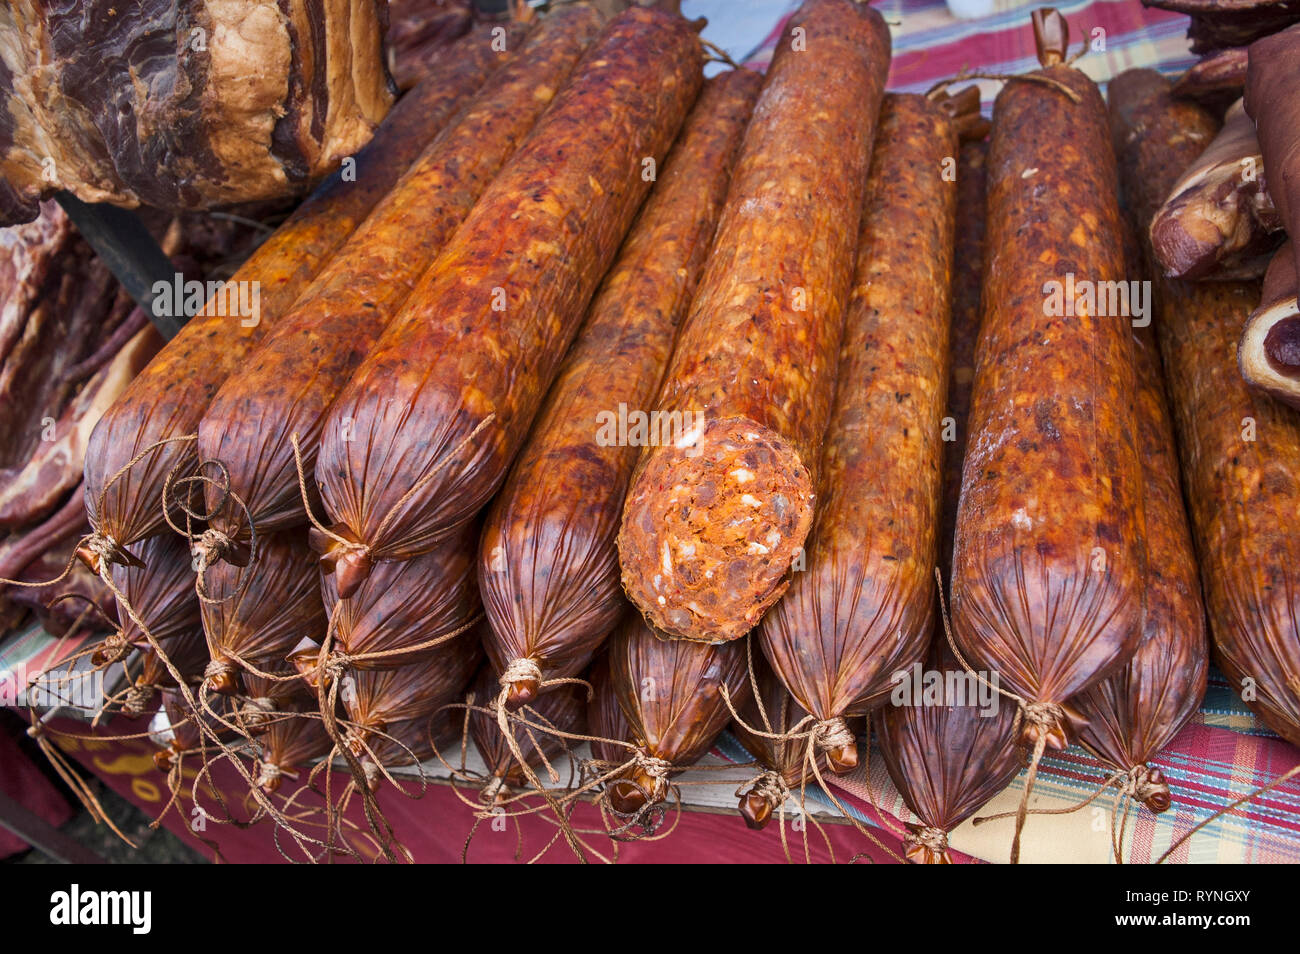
<point>22,781</point>
<point>434,827</point>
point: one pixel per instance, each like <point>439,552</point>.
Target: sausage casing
<point>862,608</point>
<point>1048,566</point>
<point>168,398</point>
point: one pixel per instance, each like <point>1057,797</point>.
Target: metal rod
<point>43,836</point>
<point>131,254</point>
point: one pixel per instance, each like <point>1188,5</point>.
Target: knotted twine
<point>816,730</point>
<point>928,838</point>
<point>211,546</point>
<point>99,550</point>
<point>1285,776</point>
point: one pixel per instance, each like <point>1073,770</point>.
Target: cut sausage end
<point>756,809</point>
<point>350,571</point>
<point>711,528</point>
<point>521,693</point>
<point>1159,802</point>
<point>349,562</point>
<point>1269,352</point>
<point>921,854</point>
<point>629,796</point>
<point>1055,734</point>
<point>1051,36</point>
<point>304,658</point>
<point>162,760</point>
<point>842,759</point>
<point>360,736</point>
<point>224,683</point>
<point>625,798</point>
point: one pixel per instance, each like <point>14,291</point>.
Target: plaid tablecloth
<point>930,44</point>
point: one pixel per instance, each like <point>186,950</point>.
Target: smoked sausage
<point>1238,449</point>
<point>290,381</point>
<point>714,519</point>
<point>1048,567</point>
<point>259,613</point>
<point>863,606</point>
<point>670,691</point>
<point>967,275</point>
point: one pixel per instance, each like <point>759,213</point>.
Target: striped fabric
<point>1223,754</point>
<point>930,44</point>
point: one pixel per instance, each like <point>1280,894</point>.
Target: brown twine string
<point>263,806</point>
<point>175,778</point>
<point>335,822</point>
<point>580,832</point>
<point>100,543</point>
<point>811,769</point>
<point>966,75</point>
<point>375,767</point>
<point>72,561</point>
<point>186,694</point>
<point>596,779</point>
<point>327,699</point>
<point>40,731</point>
<point>211,545</point>
<point>1125,783</point>
<point>491,803</point>
<point>767,785</point>
<point>718,54</point>
<point>69,674</point>
<point>934,840</point>
<point>503,726</point>
<point>306,813</point>
<point>807,817</point>
<point>137,698</point>
<point>605,772</point>
<point>1114,779</point>
<point>79,786</point>
<point>1269,786</point>
<point>779,806</point>
<point>340,661</point>
<point>886,819</point>
<point>94,604</point>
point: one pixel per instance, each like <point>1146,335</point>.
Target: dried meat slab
<point>183,104</point>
